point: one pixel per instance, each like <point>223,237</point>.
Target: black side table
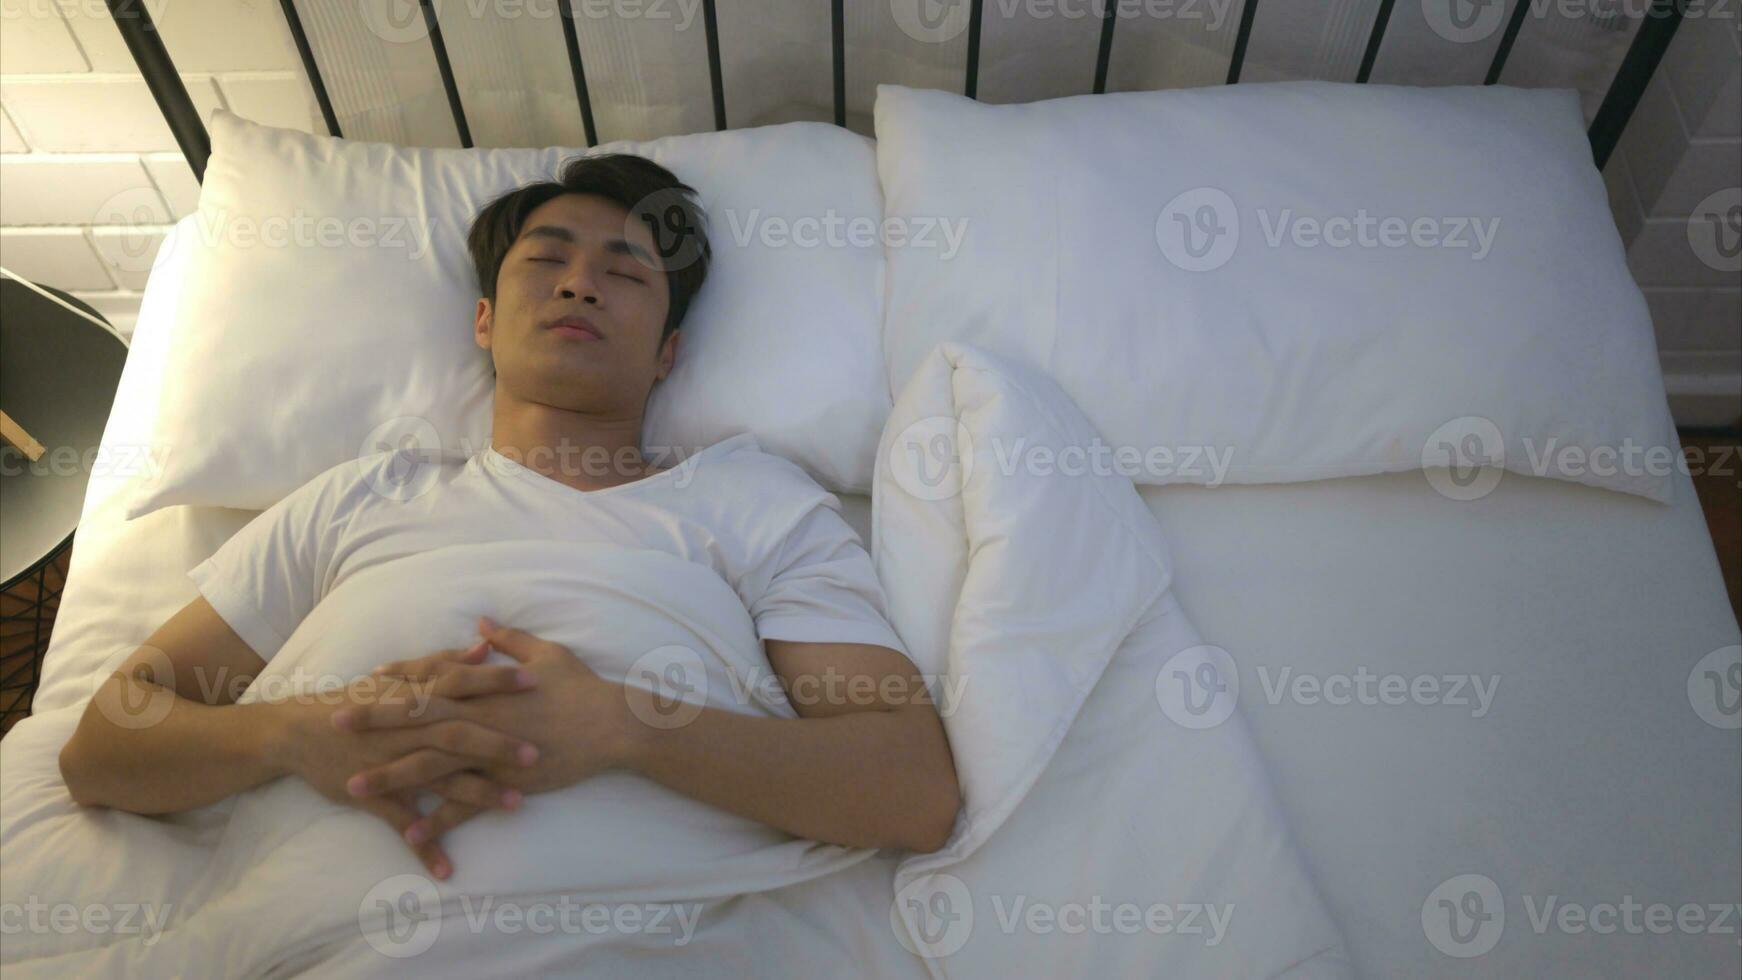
<point>58,373</point>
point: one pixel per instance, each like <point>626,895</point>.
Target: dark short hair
<point>645,189</point>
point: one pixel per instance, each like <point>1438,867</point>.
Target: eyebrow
<point>616,246</point>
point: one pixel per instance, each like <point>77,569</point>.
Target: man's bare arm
<point>866,764</point>
<point>163,734</point>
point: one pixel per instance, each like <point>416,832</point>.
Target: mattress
<point>1568,769</point>
<point>1589,783</point>
<point>1589,778</point>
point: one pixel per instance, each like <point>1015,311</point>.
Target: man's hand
<point>326,750</point>
<point>866,764</point>
<point>577,719</point>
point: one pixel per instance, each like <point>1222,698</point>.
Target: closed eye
<point>541,258</point>
<point>630,277</point>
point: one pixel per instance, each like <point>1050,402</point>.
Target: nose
<point>580,280</point>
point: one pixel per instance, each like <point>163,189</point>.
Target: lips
<point>578,327</point>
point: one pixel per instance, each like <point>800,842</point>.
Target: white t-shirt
<point>756,519</point>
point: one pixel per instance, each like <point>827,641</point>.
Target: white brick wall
<point>1683,146</point>
<point>90,175</point>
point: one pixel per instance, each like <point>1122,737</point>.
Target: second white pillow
<point>1264,283</point>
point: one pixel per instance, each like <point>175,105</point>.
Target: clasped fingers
<point>445,747</point>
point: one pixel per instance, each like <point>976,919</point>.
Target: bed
<point>134,572</point>
<point>1495,729</point>
<point>1590,608</point>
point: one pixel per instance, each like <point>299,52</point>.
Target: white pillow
<point>330,293</point>
<point>1262,354</point>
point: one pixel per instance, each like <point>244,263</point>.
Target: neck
<point>585,450</point>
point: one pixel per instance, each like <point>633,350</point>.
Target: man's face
<point>579,263</point>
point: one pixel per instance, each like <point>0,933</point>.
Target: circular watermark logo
<point>139,706</point>
<point>412,468</point>
<point>1715,688</point>
<point>667,687</point>
<point>933,458</point>
<point>1199,229</point>
<point>1198,687</point>
<point>1464,21</point>
<point>931,21</point>
<point>139,213</point>
<point>933,915</point>
<point>1715,230</point>
<point>401,915</point>
<point>1464,916</point>
<point>1465,458</point>
<point>394,21</point>
<point>671,219</point>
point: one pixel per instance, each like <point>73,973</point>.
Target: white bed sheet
<point>1590,779</point>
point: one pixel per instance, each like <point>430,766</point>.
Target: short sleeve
<point>268,576</point>
<point>822,587</point>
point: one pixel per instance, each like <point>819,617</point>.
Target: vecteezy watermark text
<point>935,915</point>
<point>1199,230</point>
<point>33,916</point>
<point>403,916</point>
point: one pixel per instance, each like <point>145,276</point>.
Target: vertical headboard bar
<point>146,46</point>
<point>1374,39</point>
<point>1507,39</point>
<point>838,44</point>
<point>711,24</point>
<point>1105,53</point>
<point>303,51</point>
<point>1649,43</point>
<point>1241,37</point>
<point>572,41</point>
<point>971,86</point>
<point>434,26</point>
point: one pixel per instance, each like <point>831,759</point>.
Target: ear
<point>668,354</point>
<point>482,324</point>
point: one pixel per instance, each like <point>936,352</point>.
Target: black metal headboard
<point>137,29</point>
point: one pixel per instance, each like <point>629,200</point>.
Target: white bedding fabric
<point>1590,778</point>
<point>821,923</point>
<point>279,880</point>
<point>364,245</point>
<point>1042,602</point>
<point>1433,276</point>
<point>310,867</point>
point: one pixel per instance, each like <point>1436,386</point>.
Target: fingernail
<point>342,719</point>
<point>416,833</point>
<point>524,678</point>
<point>357,786</point>
<point>486,624</point>
<point>441,869</point>
<point>511,799</point>
<point>528,754</point>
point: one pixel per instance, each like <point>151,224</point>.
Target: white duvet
<point>1106,831</point>
<point>316,870</point>
<point>1099,836</point>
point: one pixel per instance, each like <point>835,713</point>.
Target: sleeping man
<point>580,313</point>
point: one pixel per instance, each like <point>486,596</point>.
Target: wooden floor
<point>1719,483</point>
